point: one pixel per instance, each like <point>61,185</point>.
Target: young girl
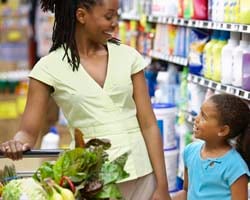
<point>100,86</point>
<point>217,166</point>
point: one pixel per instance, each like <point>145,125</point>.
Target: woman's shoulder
<point>123,48</point>
<point>51,58</point>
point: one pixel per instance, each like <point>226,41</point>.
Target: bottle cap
<point>53,129</point>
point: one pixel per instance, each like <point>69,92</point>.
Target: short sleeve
<point>186,152</point>
<point>236,169</point>
<point>139,63</point>
<point>41,72</point>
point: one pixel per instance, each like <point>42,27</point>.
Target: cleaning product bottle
<point>237,11</point>
<point>246,71</point>
<point>227,58</point>
<point>227,11</point>
<point>216,55</point>
<point>51,139</point>
<point>244,12</point>
<point>207,54</point>
<point>237,60</point>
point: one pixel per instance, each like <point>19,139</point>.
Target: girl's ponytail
<point>243,145</point>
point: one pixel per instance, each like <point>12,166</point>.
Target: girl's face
<point>101,21</point>
<point>206,125</point>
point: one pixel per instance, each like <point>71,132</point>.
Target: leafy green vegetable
<point>94,176</point>
<point>27,187</point>
<point>114,171</point>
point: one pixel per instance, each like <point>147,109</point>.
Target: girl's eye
<point>109,16</point>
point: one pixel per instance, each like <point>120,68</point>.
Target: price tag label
<point>181,22</point>
<point>218,87</point>
<point>202,81</point>
<point>190,23</point>
<point>246,95</point>
<point>228,89</point>
<point>210,84</point>
<point>162,19</point>
<point>195,79</point>
<point>176,21</point>
<point>235,27</point>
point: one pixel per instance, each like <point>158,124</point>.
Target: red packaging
<point>200,9</point>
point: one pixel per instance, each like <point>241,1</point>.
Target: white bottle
<point>227,58</point>
<point>51,139</point>
<point>237,60</point>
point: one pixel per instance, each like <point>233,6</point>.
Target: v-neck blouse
<point>102,112</point>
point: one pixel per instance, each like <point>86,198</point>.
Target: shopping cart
<point>38,153</point>
<point>50,153</point>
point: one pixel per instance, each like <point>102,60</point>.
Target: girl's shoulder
<point>194,145</point>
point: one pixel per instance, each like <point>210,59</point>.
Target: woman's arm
<point>31,122</point>
<point>151,134</point>
<point>239,188</point>
<point>182,195</point>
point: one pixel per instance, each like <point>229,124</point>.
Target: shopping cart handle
<point>38,153</point>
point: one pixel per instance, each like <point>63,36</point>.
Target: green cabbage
<point>26,188</point>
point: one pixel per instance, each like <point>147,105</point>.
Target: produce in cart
<point>84,173</point>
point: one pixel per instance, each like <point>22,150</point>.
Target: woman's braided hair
<point>64,26</point>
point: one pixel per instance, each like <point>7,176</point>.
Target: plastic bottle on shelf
<point>51,139</point>
<point>244,14</point>
<point>207,54</point>
<point>216,55</point>
<point>227,11</point>
<point>220,10</point>
<point>246,71</point>
<point>237,60</point>
<point>227,58</point>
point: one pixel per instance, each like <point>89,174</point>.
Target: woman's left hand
<point>161,194</point>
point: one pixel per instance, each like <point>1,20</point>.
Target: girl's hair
<point>235,113</point>
<point>64,26</point>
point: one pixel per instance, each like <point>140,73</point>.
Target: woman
<point>100,86</point>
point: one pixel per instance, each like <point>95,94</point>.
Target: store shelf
<point>219,87</point>
<point>200,24</point>
<point>130,16</point>
<point>18,75</point>
<point>173,59</point>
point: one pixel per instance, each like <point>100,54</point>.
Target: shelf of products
<point>219,87</point>
<point>169,58</point>
<point>200,24</point>
<point>129,16</point>
<point>191,23</point>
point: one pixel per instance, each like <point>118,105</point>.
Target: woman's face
<point>101,21</point>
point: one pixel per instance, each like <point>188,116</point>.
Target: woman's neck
<point>87,47</point>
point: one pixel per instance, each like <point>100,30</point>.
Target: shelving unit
<point>191,23</point>
<point>219,87</point>
<point>200,24</point>
<point>184,61</point>
<point>173,59</point>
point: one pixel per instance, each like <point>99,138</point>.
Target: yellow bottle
<point>244,16</point>
<point>207,54</point>
<point>216,56</point>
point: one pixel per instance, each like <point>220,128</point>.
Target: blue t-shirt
<point>210,179</point>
